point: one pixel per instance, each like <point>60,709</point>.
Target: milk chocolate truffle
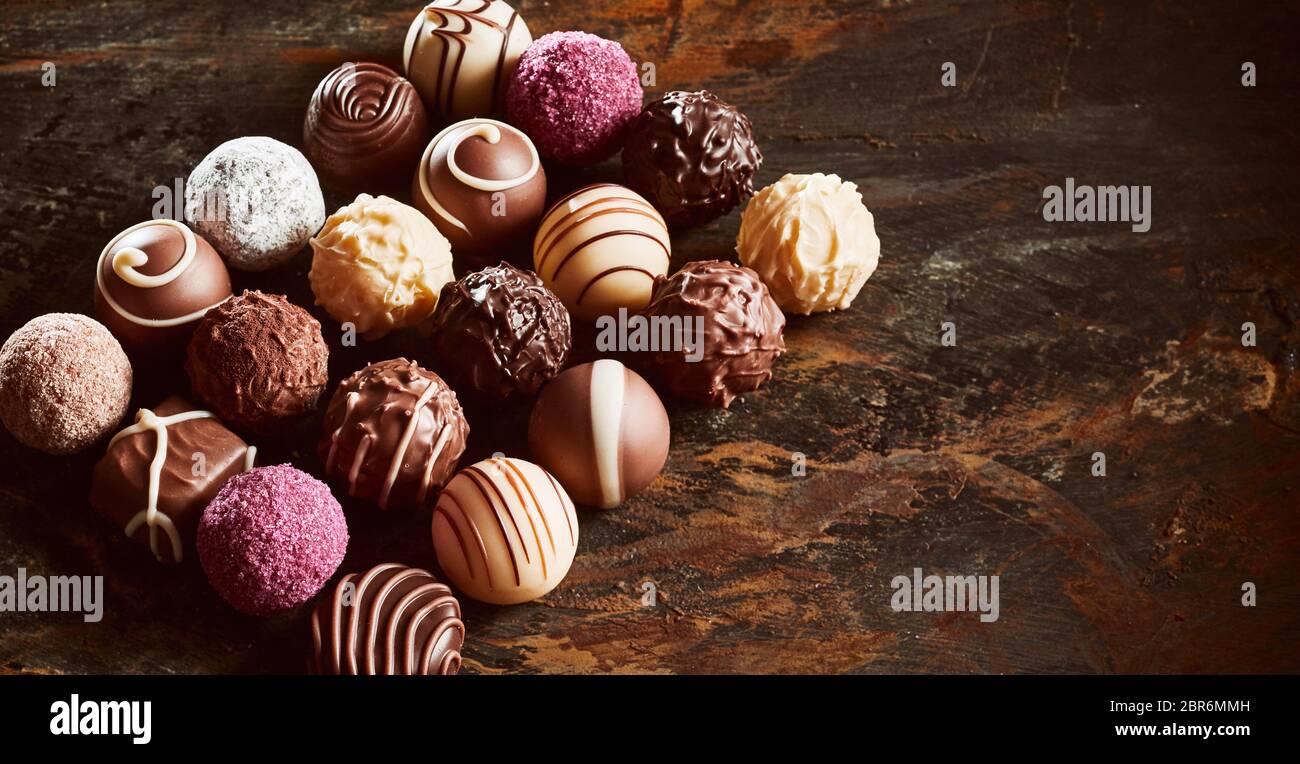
<point>154,281</point>
<point>390,620</point>
<point>379,264</point>
<point>741,332</point>
<point>257,201</point>
<point>602,431</point>
<point>64,383</point>
<point>505,532</point>
<point>500,331</point>
<point>460,55</point>
<point>812,241</point>
<point>600,248</point>
<point>394,432</point>
<point>482,184</point>
<point>160,473</point>
<point>258,361</point>
<point>693,156</point>
<point>365,128</point>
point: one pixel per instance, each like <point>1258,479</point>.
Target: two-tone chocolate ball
<point>602,431</point>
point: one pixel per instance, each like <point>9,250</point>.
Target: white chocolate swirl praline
<point>811,240</point>
<point>460,54</point>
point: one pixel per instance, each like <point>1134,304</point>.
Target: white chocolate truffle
<point>600,248</point>
<point>379,265</point>
<point>460,54</point>
<point>504,530</point>
<point>812,241</point>
<point>256,200</point>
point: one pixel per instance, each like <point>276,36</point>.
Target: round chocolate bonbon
<point>394,432</point>
<point>504,530</point>
<point>500,331</point>
<point>601,430</point>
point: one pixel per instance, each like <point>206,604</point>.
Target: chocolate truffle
<point>258,361</point>
<point>693,156</point>
<point>505,532</point>
<point>574,94</point>
<point>600,248</point>
<point>390,620</point>
<point>741,327</point>
<point>378,265</point>
<point>365,128</point>
<point>154,281</point>
<point>460,55</point>
<point>271,539</point>
<point>256,200</point>
<point>394,431</point>
<point>812,241</point>
<point>500,331</point>
<point>482,184</point>
<point>64,382</point>
<point>602,431</point>
<point>160,473</point>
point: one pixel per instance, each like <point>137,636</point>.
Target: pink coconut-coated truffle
<point>271,539</point>
<point>575,95</point>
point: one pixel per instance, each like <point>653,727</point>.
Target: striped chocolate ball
<point>602,431</point>
<point>504,531</point>
<point>600,248</point>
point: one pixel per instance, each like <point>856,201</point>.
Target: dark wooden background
<point>1072,338</point>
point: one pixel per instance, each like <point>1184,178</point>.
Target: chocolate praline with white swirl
<point>394,432</point>
<point>500,332</point>
<point>693,156</point>
<point>735,332</point>
<point>154,281</point>
<point>390,620</point>
<point>364,129</point>
<point>482,184</point>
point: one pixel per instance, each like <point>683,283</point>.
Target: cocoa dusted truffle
<point>500,331</point>
<point>741,332</point>
<point>258,360</point>
<point>693,156</point>
<point>395,432</point>
<point>390,620</point>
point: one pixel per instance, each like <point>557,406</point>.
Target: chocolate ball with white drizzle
<point>154,281</point>
<point>482,184</point>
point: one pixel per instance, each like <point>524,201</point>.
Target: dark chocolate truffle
<point>154,281</point>
<point>160,473</point>
<point>601,430</point>
<point>482,184</point>
<point>258,361</point>
<point>500,331</point>
<point>64,382</point>
<point>394,431</point>
<point>693,156</point>
<point>365,128</point>
<point>741,332</point>
<point>390,620</point>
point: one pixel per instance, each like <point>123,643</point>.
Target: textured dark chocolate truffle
<point>500,331</point>
<point>693,156</point>
<point>365,129</point>
<point>601,430</point>
<point>394,432</point>
<point>258,361</point>
<point>390,620</point>
<point>162,509</point>
<point>742,329</point>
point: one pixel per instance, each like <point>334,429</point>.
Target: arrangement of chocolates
<point>469,128</point>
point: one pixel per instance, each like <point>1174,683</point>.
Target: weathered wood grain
<point>1073,338</point>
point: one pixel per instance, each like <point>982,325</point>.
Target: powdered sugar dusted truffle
<point>271,539</point>
<point>574,94</point>
<point>256,200</point>
<point>65,382</point>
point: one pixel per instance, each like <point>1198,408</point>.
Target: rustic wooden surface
<point>1072,338</point>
